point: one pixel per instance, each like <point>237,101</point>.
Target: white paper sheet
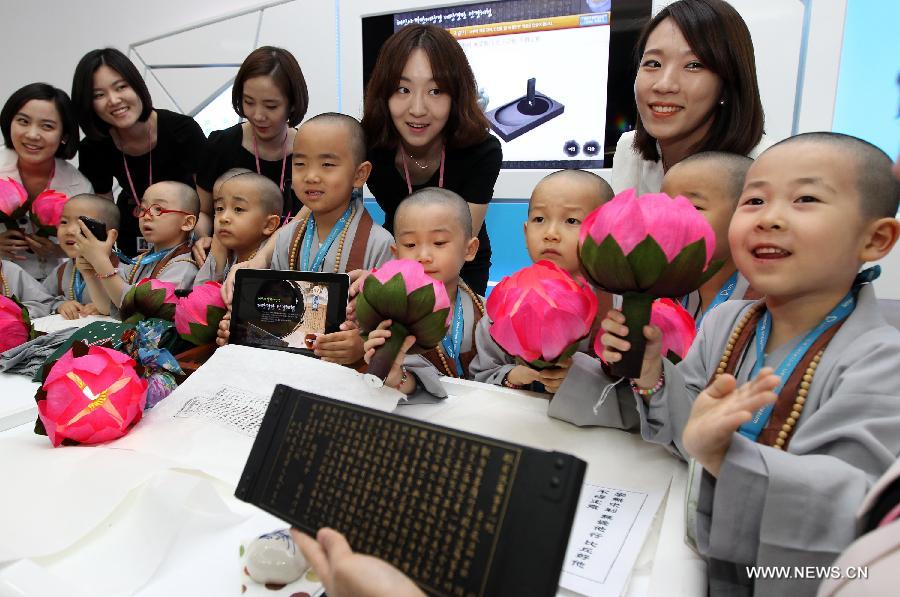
<point>52,323</point>
<point>610,527</point>
<point>200,431</point>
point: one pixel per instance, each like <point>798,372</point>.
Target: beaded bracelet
<point>649,391</point>
<point>508,384</point>
<point>404,377</point>
<point>105,276</point>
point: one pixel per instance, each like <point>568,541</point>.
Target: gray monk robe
<point>428,368</point>
<point>770,507</point>
<point>16,282</point>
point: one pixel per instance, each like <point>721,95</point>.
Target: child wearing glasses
<point>166,216</point>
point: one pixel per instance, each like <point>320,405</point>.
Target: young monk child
<point>434,227</point>
<point>167,213</point>
<point>558,205</point>
<point>66,283</point>
<point>246,212</point>
<point>712,181</point>
<point>789,406</point>
<point>16,282</point>
<point>338,235</point>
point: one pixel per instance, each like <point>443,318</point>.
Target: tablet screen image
<point>286,310</point>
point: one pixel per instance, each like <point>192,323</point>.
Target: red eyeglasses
<point>156,211</point>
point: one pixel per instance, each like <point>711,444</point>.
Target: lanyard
<point>134,195</point>
<point>452,342</point>
<point>319,259</point>
<point>842,310</point>
<point>148,259</point>
<point>78,284</point>
<point>406,170</point>
<point>723,295</point>
<point>283,158</point>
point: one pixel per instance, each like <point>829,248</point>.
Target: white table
<point>155,511</point>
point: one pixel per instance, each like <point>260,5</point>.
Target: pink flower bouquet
<point>13,200</point>
<point>644,248</point>
<point>541,313</point>
<point>46,210</point>
<point>91,395</point>
<point>198,314</point>
<point>676,325</point>
<point>15,324</point>
<point>149,298</point>
<point>416,303</point>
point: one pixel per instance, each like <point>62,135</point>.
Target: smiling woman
<point>127,139</point>
<point>696,90</point>
<point>425,129</point>
<point>40,133</point>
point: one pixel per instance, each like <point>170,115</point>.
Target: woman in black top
<point>270,93</point>
<point>127,139</point>
<point>425,128</point>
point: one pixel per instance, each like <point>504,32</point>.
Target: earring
<point>722,102</point>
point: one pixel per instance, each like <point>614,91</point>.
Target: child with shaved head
<point>66,282</point>
<point>434,227</point>
<point>167,215</point>
<point>712,181</point>
<point>559,204</point>
<point>789,406</point>
<point>246,212</point>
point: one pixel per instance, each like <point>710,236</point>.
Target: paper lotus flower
<point>644,248</point>
<point>13,198</point>
<point>198,314</point>
<point>15,324</point>
<point>541,313</point>
<point>416,303</point>
<point>149,298</point>
<point>91,396</point>
<point>677,327</point>
<point>46,210</point>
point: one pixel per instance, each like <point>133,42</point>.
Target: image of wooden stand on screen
<point>524,114</point>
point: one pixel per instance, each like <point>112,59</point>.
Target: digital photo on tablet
<point>286,310</point>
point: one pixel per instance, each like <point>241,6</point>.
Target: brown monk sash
<point>465,358</point>
<point>785,403</point>
<point>357,257</point>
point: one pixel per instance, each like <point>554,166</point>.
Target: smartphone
<point>96,227</point>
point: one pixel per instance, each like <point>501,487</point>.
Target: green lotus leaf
<point>420,303</point>
<point>367,317</point>
<point>607,265</point>
<point>388,299</point>
<point>430,329</point>
<point>647,262</point>
<point>683,273</point>
<point>711,270</point>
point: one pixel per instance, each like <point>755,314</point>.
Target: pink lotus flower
<point>198,314</point>
<point>93,398</point>
<point>15,326</point>
<point>47,208</point>
<point>149,298</point>
<point>541,313</point>
<point>416,303</point>
<point>676,325</point>
<point>644,248</point>
<point>12,196</point>
<point>672,223</point>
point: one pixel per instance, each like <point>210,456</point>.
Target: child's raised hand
<point>344,347</point>
<point>720,410</point>
<point>614,344</point>
<point>70,309</point>
<point>357,277</point>
<point>378,337</point>
<point>84,266</point>
<point>95,251</point>
<point>553,377</point>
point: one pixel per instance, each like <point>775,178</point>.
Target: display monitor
<point>555,77</point>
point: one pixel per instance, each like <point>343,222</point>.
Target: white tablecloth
<point>147,517</point>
